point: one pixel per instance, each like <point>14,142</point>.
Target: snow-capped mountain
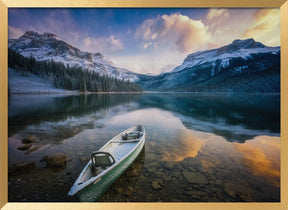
<point>222,56</point>
<point>243,65</point>
<point>47,46</point>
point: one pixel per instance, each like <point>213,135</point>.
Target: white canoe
<point>107,164</point>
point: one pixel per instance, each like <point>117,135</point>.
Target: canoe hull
<point>95,190</point>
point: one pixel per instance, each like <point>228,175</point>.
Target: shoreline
<point>140,92</point>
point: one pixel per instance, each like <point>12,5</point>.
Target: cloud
<point>262,156</point>
<point>150,62</point>
<point>265,27</point>
<point>14,33</point>
<point>217,21</point>
<point>104,44</point>
<point>176,31</point>
<point>217,14</point>
<point>187,146</point>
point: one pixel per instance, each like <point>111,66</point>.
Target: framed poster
<point>206,80</point>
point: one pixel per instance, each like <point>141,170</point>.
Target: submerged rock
<point>168,165</point>
<point>55,160</point>
<point>25,147</point>
<point>195,177</point>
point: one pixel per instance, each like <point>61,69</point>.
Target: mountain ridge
<point>242,66</point>
<point>47,46</point>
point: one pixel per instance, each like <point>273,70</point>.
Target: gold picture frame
<point>5,4</point>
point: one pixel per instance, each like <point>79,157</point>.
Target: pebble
<point>156,185</point>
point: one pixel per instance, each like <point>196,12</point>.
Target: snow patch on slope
<point>211,56</point>
<point>30,83</point>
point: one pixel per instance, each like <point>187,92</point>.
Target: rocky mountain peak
<point>239,44</point>
<point>46,47</point>
<point>36,36</point>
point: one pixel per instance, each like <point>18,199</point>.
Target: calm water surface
<point>198,147</point>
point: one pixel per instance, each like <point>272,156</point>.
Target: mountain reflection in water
<point>198,147</point>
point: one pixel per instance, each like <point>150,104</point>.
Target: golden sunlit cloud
<point>266,27</point>
<point>180,31</point>
<point>216,13</point>
<point>262,156</point>
<point>216,17</point>
<point>188,145</point>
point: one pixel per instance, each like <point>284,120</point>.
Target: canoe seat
<point>102,159</point>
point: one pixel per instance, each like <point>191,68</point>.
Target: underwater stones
<point>23,167</point>
<point>152,170</point>
<point>129,191</point>
<point>55,160</point>
<point>230,189</point>
<point>196,193</point>
<point>151,164</point>
<point>134,170</point>
<point>195,177</point>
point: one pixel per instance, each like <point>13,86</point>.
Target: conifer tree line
<point>72,78</point>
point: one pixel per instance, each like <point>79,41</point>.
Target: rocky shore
<point>148,179</point>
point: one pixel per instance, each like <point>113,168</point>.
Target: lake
<point>199,147</point>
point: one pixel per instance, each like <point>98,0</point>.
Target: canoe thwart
<point>102,159</point>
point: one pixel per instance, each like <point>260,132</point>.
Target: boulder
<point>55,160</point>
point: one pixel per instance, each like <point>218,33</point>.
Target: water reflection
<point>187,145</point>
<point>26,110</point>
<point>198,148</point>
<point>235,117</point>
<point>262,156</point>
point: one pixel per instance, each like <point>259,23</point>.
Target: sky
<point>148,40</point>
